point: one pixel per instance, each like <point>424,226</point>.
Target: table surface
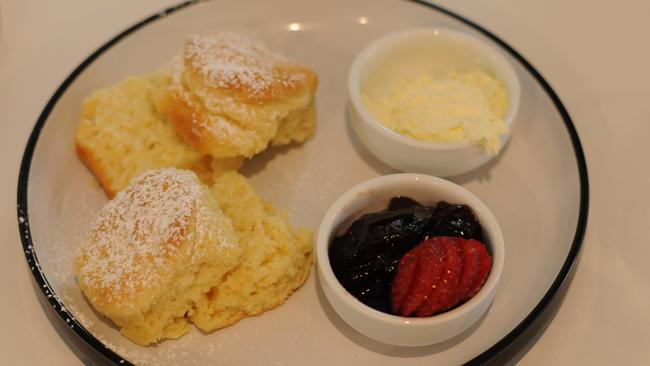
<point>594,53</point>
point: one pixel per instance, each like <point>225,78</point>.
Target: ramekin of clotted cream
<point>436,100</point>
<point>459,107</point>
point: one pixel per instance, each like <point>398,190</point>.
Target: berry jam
<point>366,256</point>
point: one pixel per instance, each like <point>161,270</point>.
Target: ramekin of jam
<point>409,259</point>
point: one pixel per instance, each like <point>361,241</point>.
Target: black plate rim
<point>68,319</point>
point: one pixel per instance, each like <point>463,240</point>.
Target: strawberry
<point>483,267</point>
<point>445,295</point>
<point>469,274</point>
<point>403,279</point>
<point>427,275</point>
<point>438,274</point>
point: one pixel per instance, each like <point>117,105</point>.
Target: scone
<point>122,134</point>
<point>276,258</point>
<point>154,250</point>
<point>230,96</point>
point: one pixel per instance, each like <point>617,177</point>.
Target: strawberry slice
<point>454,268</point>
<point>445,294</point>
<point>403,279</point>
<point>470,269</point>
<point>483,268</point>
<point>438,274</point>
<point>427,274</point>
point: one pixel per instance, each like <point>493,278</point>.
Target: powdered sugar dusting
<point>226,80</point>
<point>232,60</point>
<point>141,229</point>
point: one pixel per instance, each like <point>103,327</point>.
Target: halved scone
<point>230,96</point>
<point>122,134</point>
<point>153,251</point>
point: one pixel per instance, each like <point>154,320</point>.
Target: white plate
<point>537,188</point>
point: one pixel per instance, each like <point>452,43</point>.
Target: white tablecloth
<point>595,54</point>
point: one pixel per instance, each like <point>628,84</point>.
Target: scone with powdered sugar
<point>168,251</point>
<point>153,251</point>
<point>162,253</point>
<point>225,99</point>
<point>230,96</point>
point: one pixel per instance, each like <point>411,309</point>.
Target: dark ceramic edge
<point>34,265</point>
